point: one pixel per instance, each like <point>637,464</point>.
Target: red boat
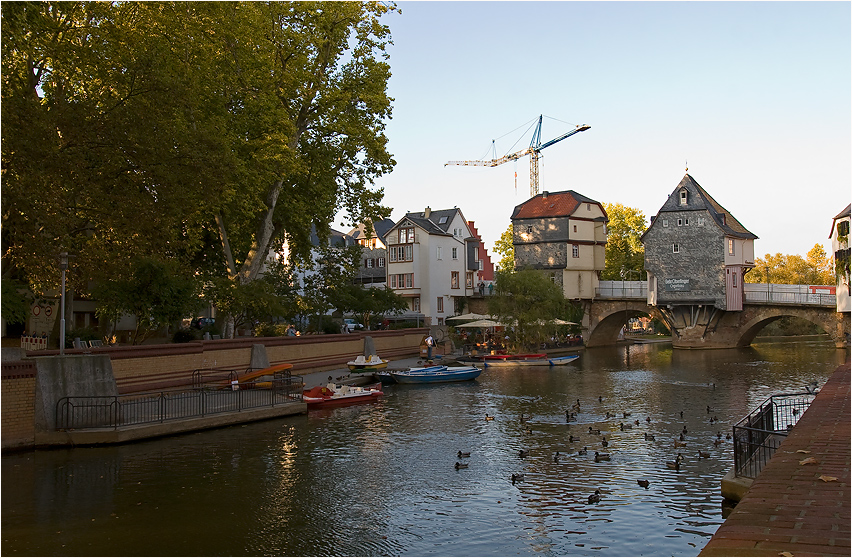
<point>333,395</point>
<point>481,358</point>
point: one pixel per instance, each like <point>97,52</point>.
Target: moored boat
<point>552,361</point>
<point>367,364</point>
<point>436,374</point>
<point>334,394</point>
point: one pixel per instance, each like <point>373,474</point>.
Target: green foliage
<point>506,248</point>
<point>204,132</point>
<point>369,302</point>
<point>530,302</point>
<point>15,301</point>
<point>815,269</point>
<point>156,293</point>
<point>184,335</point>
<point>625,255</point>
<point>247,303</point>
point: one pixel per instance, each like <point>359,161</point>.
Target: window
<point>683,197</point>
<point>686,221</point>
<point>529,229</point>
<point>734,280</point>
<point>468,279</point>
<point>368,262</point>
<point>406,235</point>
<point>409,280</point>
<point>415,304</point>
<point>665,222</point>
<point>455,253</point>
<point>409,253</point>
<point>440,252</point>
<point>479,265</point>
<point>675,248</point>
<point>730,246</point>
<point>843,228</point>
<point>442,220</point>
<point>393,281</point>
<point>454,279</point>
<point>381,262</point>
<point>575,250</point>
<point>575,228</point>
<point>680,222</point>
<point>588,207</point>
<point>554,278</point>
<point>440,306</point>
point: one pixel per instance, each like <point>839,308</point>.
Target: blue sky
<point>754,95</point>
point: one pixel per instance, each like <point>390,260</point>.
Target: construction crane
<point>534,151</point>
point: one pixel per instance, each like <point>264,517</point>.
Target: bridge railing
<point>622,289</point>
<point>801,295</point>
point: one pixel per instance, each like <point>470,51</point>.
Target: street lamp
<point>63,265</point>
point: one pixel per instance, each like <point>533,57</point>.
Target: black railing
<point>215,395</point>
<point>758,435</point>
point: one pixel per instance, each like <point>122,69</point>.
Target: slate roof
<point>841,215</point>
<point>698,199</point>
<point>433,224</point>
<point>381,228</point>
<point>551,204</point>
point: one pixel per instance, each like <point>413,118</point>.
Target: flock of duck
<point>599,456</point>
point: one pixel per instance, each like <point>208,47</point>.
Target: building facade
<point>563,234</point>
<point>431,261</point>
<point>840,247</point>
<point>696,252</point>
<point>374,253</point>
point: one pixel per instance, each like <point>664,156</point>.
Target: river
<point>379,479</point>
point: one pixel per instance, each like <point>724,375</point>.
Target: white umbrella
<point>481,323</point>
<point>470,317</point>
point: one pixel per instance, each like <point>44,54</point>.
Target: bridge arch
<point>758,317</point>
<point>606,319</point>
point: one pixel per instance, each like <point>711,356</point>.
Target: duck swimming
<point>523,453</point>
<point>676,463</point>
<point>649,437</point>
<point>460,465</point>
<point>595,498</point>
<point>643,483</point>
<point>487,417</point>
<point>601,457</point>
<point>625,426</point>
<point>583,451</point>
<point>595,431</point>
<point>517,478</point>
<point>462,454</point>
<point>604,441</point>
<point>702,454</point>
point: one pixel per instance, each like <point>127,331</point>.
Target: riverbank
<point>799,505</point>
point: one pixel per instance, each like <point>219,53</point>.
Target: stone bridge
<point>706,327</point>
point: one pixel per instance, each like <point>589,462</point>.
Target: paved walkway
<point>796,509</point>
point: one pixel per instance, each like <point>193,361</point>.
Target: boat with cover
<point>503,356</point>
<point>552,361</point>
<point>335,394</point>
<point>436,374</point>
<point>368,363</point>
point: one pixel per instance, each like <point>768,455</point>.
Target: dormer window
<point>442,220</point>
<point>683,197</point>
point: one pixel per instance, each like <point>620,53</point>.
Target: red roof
<point>551,204</point>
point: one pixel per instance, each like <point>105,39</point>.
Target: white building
<point>432,262</point>
<point>840,247</point>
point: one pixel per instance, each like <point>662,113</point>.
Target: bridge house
<point>563,233</point>
<point>696,255</point>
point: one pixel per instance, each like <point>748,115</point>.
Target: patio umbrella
<point>481,323</point>
<point>469,317</point>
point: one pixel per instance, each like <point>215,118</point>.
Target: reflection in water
<point>379,479</point>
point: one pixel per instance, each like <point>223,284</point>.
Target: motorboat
<point>547,361</point>
<point>336,394</point>
<point>369,363</point>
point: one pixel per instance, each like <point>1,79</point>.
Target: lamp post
<point>768,292</point>
<point>63,265</point>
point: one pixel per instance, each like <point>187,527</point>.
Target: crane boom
<point>534,150</point>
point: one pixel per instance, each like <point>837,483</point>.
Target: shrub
<point>183,335</point>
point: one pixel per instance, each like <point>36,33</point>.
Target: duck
<point>636,422</point>
<point>709,410</point>
<point>643,483</point>
<point>678,444</point>
<point>610,415</point>
<point>685,431</point>
<point>717,442</point>
<point>525,417</point>
<point>583,451</point>
<point>523,453</point>
<point>556,457</point>
<point>728,436</point>
<point>681,414</point>
<point>648,420</point>
<point>625,426</point>
<point>595,431</point>
<point>650,437</point>
<point>703,454</point>
<point>517,477</point>
<point>601,457</point>
<point>600,398</point>
<point>604,441</point>
<point>570,438</point>
<point>676,463</point>
<point>626,414</point>
<point>595,498</point>
<point>460,465</point>
<point>488,417</point>
<point>719,435</point>
<point>462,454</point>
<point>682,437</point>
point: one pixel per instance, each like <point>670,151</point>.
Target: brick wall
<point>18,410</point>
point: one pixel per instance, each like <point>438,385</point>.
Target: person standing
<point>430,342</point>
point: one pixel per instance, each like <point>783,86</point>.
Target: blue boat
<point>435,374</point>
<point>553,361</point>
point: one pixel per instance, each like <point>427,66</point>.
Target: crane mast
<point>534,151</point>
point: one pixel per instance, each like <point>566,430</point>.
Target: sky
<point>754,97</point>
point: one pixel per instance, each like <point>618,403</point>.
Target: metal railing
<point>786,297</point>
<point>758,435</point>
<point>212,395</point>
<point>622,289</point>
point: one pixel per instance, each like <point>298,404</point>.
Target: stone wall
<point>18,394</point>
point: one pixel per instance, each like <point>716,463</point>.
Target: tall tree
<point>625,255</point>
<point>505,246</point>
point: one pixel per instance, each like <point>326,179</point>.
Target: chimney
<point>428,212</point>
<point>544,195</point>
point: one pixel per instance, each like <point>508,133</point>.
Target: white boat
<point>435,374</point>
<point>553,361</point>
